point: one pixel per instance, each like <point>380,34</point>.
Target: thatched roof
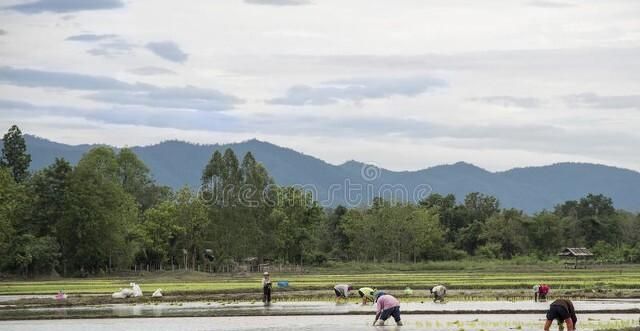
<point>576,251</point>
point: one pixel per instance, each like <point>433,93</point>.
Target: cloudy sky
<point>404,84</point>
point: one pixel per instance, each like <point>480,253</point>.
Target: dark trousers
<point>266,293</point>
<point>393,311</point>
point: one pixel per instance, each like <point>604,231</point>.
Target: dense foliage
<point>107,213</point>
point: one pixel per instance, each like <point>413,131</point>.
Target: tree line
<point>107,214</point>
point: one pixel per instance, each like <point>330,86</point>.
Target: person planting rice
<point>266,288</point>
<point>342,291</point>
<point>536,292</point>
<point>386,306</point>
<point>543,290</point>
<point>439,292</point>
<point>563,311</point>
<point>367,294</point>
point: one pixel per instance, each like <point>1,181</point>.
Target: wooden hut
<point>576,257</point>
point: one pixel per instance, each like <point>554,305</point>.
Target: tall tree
<point>192,220</point>
<point>212,180</point>
<point>506,231</point>
<point>481,205</point>
<point>11,197</point>
<point>14,154</point>
<point>100,215</point>
<point>48,188</point>
<point>336,241</point>
<point>296,215</point>
<point>161,231</point>
<point>136,180</point>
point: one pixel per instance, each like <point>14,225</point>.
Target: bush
<point>489,251</point>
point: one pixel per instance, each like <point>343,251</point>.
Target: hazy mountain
<point>532,189</point>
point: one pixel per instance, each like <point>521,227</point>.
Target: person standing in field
<point>342,291</point>
<point>439,292</point>
<point>266,288</point>
<point>563,311</point>
<point>536,291</point>
<point>387,306</point>
<point>367,294</point>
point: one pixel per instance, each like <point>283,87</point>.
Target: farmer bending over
<point>561,310</point>
<point>342,291</point>
<point>367,294</point>
<point>386,306</point>
<point>439,293</point>
<point>543,291</point>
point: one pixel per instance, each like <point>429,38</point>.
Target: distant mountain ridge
<point>532,189</point>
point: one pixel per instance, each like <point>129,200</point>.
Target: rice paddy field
<point>578,281</point>
<point>495,298</point>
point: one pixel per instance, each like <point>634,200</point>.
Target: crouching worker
<point>386,306</point>
<point>439,292</point>
<point>543,291</point>
<point>367,295</point>
<point>561,310</point>
<point>342,291</point>
<point>266,288</point>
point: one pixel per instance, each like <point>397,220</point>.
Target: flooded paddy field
<point>443,322</point>
<point>221,309</point>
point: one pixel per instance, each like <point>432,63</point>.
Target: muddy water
<point>291,309</point>
<point>493,322</point>
<point>6,298</point>
<point>211,309</point>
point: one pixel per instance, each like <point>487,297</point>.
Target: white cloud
<point>168,50</point>
<point>118,92</point>
<point>64,6</point>
<point>357,90</point>
<point>545,81</point>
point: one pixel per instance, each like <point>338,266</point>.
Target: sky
<point>404,84</point>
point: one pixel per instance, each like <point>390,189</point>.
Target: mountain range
<point>532,189</point>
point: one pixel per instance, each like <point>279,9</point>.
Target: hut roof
<point>575,251</point>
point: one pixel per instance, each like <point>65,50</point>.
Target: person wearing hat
<point>342,291</point>
<point>367,294</point>
<point>438,293</point>
<point>266,288</point>
<point>386,306</point>
<point>563,311</point>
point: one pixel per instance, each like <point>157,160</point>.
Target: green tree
<point>425,235</point>
<point>30,255</point>
<point>591,219</point>
<point>482,206</point>
<point>161,231</point>
<point>96,232</point>
<point>547,233</point>
<point>335,241</point>
<point>506,230</point>
<point>296,216</point>
<point>11,200</point>
<point>136,180</point>
<point>469,238</point>
<point>453,217</point>
<point>14,154</point>
<point>192,221</point>
<point>48,189</point>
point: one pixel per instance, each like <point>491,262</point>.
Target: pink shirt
<point>387,301</point>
